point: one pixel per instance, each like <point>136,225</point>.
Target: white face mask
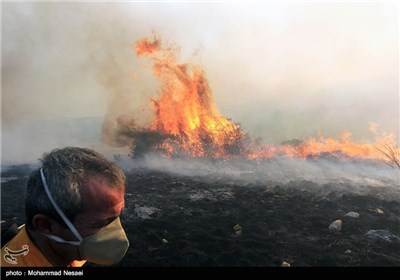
<point>107,246</point>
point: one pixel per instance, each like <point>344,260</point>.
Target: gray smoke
<point>281,70</point>
<point>322,170</point>
<point>322,176</point>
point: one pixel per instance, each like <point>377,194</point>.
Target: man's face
<point>101,204</point>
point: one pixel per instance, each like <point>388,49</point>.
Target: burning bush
<point>186,122</point>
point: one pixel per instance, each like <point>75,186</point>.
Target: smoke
<point>283,170</point>
<point>321,176</point>
<point>281,70</point>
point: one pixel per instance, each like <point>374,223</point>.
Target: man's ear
<point>44,223</point>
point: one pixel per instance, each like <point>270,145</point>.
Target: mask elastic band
<point>60,240</point>
<point>59,211</point>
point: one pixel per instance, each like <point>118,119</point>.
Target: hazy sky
<point>281,69</point>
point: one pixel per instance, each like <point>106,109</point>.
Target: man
<point>73,204</point>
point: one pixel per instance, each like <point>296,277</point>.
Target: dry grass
<point>390,155</point>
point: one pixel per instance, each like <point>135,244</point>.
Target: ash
<point>181,213</point>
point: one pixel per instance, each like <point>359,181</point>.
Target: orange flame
<point>186,108</point>
<point>186,111</point>
<point>341,148</point>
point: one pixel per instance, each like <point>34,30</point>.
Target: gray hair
<point>66,171</point>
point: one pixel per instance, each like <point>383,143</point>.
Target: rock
<point>381,235</point>
<point>352,215</point>
<point>336,225</point>
<point>377,211</point>
<point>238,229</point>
<point>145,212</point>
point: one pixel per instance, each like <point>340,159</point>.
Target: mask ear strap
<point>59,211</point>
<point>60,240</point>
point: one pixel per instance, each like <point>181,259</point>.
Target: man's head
<point>76,198</point>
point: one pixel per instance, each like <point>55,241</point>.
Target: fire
<point>186,110</point>
<point>187,122</point>
<point>325,146</point>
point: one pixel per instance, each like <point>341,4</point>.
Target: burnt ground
<point>189,221</point>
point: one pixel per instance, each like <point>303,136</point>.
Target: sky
<point>282,70</point>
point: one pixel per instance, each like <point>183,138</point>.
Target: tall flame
<point>186,120</point>
<point>186,108</point>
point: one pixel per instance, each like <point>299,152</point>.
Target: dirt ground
<point>198,221</point>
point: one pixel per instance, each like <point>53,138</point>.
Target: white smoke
<point>351,172</point>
